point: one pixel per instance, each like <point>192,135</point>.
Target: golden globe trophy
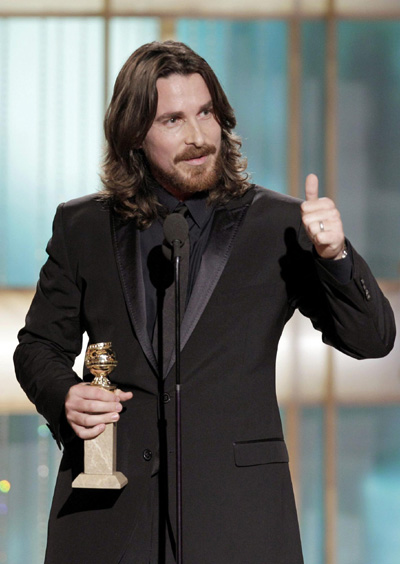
<point>101,452</point>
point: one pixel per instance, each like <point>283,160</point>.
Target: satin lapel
<point>128,257</point>
<point>227,222</point>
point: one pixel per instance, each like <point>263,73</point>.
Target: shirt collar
<point>196,204</point>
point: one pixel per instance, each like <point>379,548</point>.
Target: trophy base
<point>115,481</point>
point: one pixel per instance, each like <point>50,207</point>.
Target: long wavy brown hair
<point>126,175</point>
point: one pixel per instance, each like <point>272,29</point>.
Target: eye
<point>206,113</point>
<point>172,121</point>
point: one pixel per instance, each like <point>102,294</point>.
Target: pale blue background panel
<point>312,487</point>
<point>29,462</point>
<point>368,467</point>
<point>369,140</point>
<point>250,60</point>
<point>313,100</point>
<point>52,98</point>
<point>51,106</point>
<point>126,35</point>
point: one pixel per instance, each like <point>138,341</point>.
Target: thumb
<point>312,187</point>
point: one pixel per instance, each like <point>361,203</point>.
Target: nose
<point>194,133</point>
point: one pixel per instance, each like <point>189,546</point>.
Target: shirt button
<point>166,397</point>
<point>147,454</point>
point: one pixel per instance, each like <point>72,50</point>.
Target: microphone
<point>176,232</point>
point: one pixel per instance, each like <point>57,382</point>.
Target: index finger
<point>123,396</point>
<point>88,391</point>
<point>312,187</point>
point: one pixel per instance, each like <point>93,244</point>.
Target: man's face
<point>183,144</point>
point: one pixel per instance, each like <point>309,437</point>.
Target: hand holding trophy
<point>101,452</point>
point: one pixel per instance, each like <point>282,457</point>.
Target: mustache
<point>195,153</point>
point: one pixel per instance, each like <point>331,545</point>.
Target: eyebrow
<point>168,115</point>
<point>207,106</point>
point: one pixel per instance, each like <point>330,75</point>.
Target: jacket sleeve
<point>354,317</point>
<point>362,318</point>
<point>52,336</point>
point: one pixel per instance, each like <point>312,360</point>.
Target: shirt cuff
<point>341,269</point>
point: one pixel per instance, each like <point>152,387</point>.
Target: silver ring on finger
<point>321,226</point>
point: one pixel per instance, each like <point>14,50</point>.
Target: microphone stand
<point>176,232</point>
<point>178,432</point>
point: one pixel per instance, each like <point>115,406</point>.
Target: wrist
<point>343,253</point>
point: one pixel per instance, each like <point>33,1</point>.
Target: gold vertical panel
<point>331,114</point>
<point>168,29</point>
<point>106,51</point>
<point>294,109</point>
<point>330,424</point>
<point>330,405</point>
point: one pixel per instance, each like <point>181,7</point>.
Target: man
<point>255,256</point>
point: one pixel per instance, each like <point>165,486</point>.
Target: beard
<point>192,178</point>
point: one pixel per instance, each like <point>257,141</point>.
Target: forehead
<point>181,93</point>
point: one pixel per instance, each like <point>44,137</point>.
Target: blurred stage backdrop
<point>316,88</point>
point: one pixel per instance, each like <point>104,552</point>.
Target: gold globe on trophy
<point>100,360</point>
<point>101,452</point>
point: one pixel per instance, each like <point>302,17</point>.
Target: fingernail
<point>114,417</point>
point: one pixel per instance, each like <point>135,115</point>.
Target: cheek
<point>215,135</point>
<point>159,152</point>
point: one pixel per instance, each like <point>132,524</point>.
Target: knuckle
<point>91,406</point>
<point>95,392</point>
<point>86,420</point>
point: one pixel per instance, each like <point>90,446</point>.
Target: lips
<point>197,160</point>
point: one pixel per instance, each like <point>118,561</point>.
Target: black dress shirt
<point>158,271</point>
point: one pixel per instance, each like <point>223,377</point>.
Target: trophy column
<point>101,452</point>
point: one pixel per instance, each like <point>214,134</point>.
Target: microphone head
<point>176,229</point>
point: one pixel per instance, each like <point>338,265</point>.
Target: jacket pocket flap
<point>253,453</point>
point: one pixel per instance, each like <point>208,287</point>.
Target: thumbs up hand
<point>322,222</point>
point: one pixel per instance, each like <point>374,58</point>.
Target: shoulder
<point>79,220</point>
<point>265,197</point>
<point>257,197</point>
<point>86,209</point>
<point>89,203</point>
<point>274,208</point>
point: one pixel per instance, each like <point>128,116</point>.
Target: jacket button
<point>366,291</point>
<point>166,397</point>
<point>147,454</point>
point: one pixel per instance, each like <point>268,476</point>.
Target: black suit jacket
<point>257,269</point>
